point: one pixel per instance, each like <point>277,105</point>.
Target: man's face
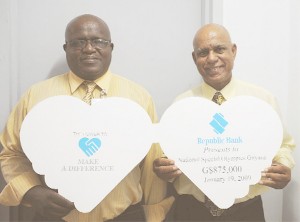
<point>214,56</point>
<point>85,58</point>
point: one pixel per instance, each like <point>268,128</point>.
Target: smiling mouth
<point>214,70</point>
<point>89,59</point>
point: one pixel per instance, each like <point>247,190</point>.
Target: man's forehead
<point>211,36</point>
<point>211,44</point>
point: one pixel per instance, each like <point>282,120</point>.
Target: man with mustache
<point>214,56</point>
<point>88,50</point>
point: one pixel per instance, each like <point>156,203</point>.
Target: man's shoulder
<point>248,88</point>
<point>122,79</point>
<point>53,86</point>
<point>127,84</point>
<point>195,91</point>
<point>122,87</point>
<point>55,80</point>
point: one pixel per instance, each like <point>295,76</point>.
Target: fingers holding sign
<point>166,169</point>
<point>276,176</point>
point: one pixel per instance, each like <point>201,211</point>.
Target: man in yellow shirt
<point>88,50</point>
<point>214,55</point>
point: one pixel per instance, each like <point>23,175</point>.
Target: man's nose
<point>212,57</point>
<point>89,47</point>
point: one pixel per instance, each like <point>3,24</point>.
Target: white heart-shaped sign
<point>79,148</point>
<point>222,149</point>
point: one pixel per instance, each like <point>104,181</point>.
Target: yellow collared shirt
<point>237,88</point>
<point>139,183</point>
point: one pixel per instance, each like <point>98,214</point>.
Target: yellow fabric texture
<point>237,88</point>
<point>20,177</point>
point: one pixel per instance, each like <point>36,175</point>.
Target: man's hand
<point>166,169</point>
<point>276,176</point>
<point>48,203</point>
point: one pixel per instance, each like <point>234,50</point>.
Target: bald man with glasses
<point>88,50</point>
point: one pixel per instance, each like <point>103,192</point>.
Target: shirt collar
<point>227,91</point>
<point>103,81</point>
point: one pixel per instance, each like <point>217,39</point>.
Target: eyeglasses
<point>95,43</point>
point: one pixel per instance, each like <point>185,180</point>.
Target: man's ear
<point>65,46</point>
<point>234,50</point>
<point>194,56</point>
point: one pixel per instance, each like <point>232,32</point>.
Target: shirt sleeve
<point>16,168</point>
<point>284,154</point>
<point>157,204</point>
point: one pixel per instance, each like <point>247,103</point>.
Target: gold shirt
<point>237,88</point>
<point>140,183</point>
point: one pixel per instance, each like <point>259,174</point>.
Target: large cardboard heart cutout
<point>83,150</point>
<point>222,149</point>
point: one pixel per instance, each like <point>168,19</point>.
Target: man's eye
<point>202,53</point>
<point>77,43</point>
<point>100,43</point>
<point>220,50</point>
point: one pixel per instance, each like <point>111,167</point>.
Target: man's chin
<point>218,82</point>
<point>88,75</point>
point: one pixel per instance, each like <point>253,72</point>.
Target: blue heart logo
<point>89,146</point>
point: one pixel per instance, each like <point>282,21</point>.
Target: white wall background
<point>153,44</point>
<point>267,35</point>
<point>152,41</point>
<point>291,195</point>
<point>259,42</point>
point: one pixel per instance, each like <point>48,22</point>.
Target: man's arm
<point>23,184</point>
<point>278,175</point>
<point>47,202</point>
<point>16,168</point>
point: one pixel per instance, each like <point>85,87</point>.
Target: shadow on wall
<point>59,67</point>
